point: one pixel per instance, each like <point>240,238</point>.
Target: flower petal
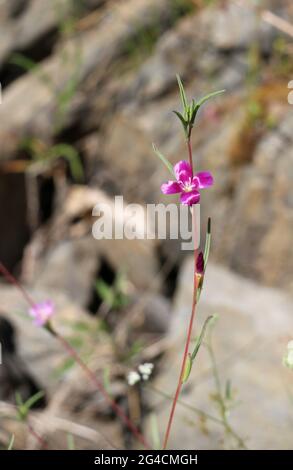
<point>190,198</point>
<point>195,182</point>
<point>42,312</point>
<point>172,187</point>
<point>183,171</point>
<point>205,179</point>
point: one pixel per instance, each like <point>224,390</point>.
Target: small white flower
<point>288,357</point>
<point>133,377</point>
<point>146,370</point>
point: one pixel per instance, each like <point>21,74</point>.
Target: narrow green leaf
<point>29,65</point>
<point>182,93</point>
<point>203,100</point>
<point>23,62</point>
<point>228,392</point>
<point>105,292</point>
<point>201,336</point>
<point>164,160</point>
<point>183,121</point>
<point>210,95</point>
<point>22,410</point>
<point>187,369</point>
<point>71,155</point>
<point>11,442</point>
<point>34,399</point>
<point>24,407</point>
<point>18,399</point>
<point>189,113</point>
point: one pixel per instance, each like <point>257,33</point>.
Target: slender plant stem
<point>71,351</point>
<point>190,154</point>
<point>180,383</point>
<point>11,279</point>
<point>221,400</point>
<point>190,325</point>
<point>198,411</point>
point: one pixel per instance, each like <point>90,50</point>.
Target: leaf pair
<point>190,110</point>
<point>23,408</point>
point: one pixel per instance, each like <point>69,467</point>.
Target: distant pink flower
<point>42,312</point>
<point>187,184</point>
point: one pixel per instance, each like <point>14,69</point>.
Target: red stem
<point>190,154</point>
<point>115,407</point>
<point>180,383</point>
<point>190,327</point>
<point>38,438</point>
<point>13,281</point>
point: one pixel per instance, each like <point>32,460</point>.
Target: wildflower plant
<point>188,184</point>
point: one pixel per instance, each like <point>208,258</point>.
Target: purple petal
<point>172,187</point>
<point>195,182</point>
<point>190,198</point>
<point>42,312</point>
<point>205,179</point>
<point>183,171</point>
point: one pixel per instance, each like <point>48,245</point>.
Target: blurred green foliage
<point>40,153</point>
<point>23,407</point>
<point>141,44</point>
<point>114,296</point>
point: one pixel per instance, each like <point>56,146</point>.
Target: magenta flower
<point>42,312</point>
<point>187,184</point>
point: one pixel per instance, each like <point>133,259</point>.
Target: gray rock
<point>29,105</point>
<point>68,261</point>
<point>37,18</point>
<point>235,27</point>
<point>256,224</point>
<point>12,8</point>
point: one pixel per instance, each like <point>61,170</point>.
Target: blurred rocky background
<point>87,86</point>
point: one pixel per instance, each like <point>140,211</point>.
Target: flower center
<point>188,187</point>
